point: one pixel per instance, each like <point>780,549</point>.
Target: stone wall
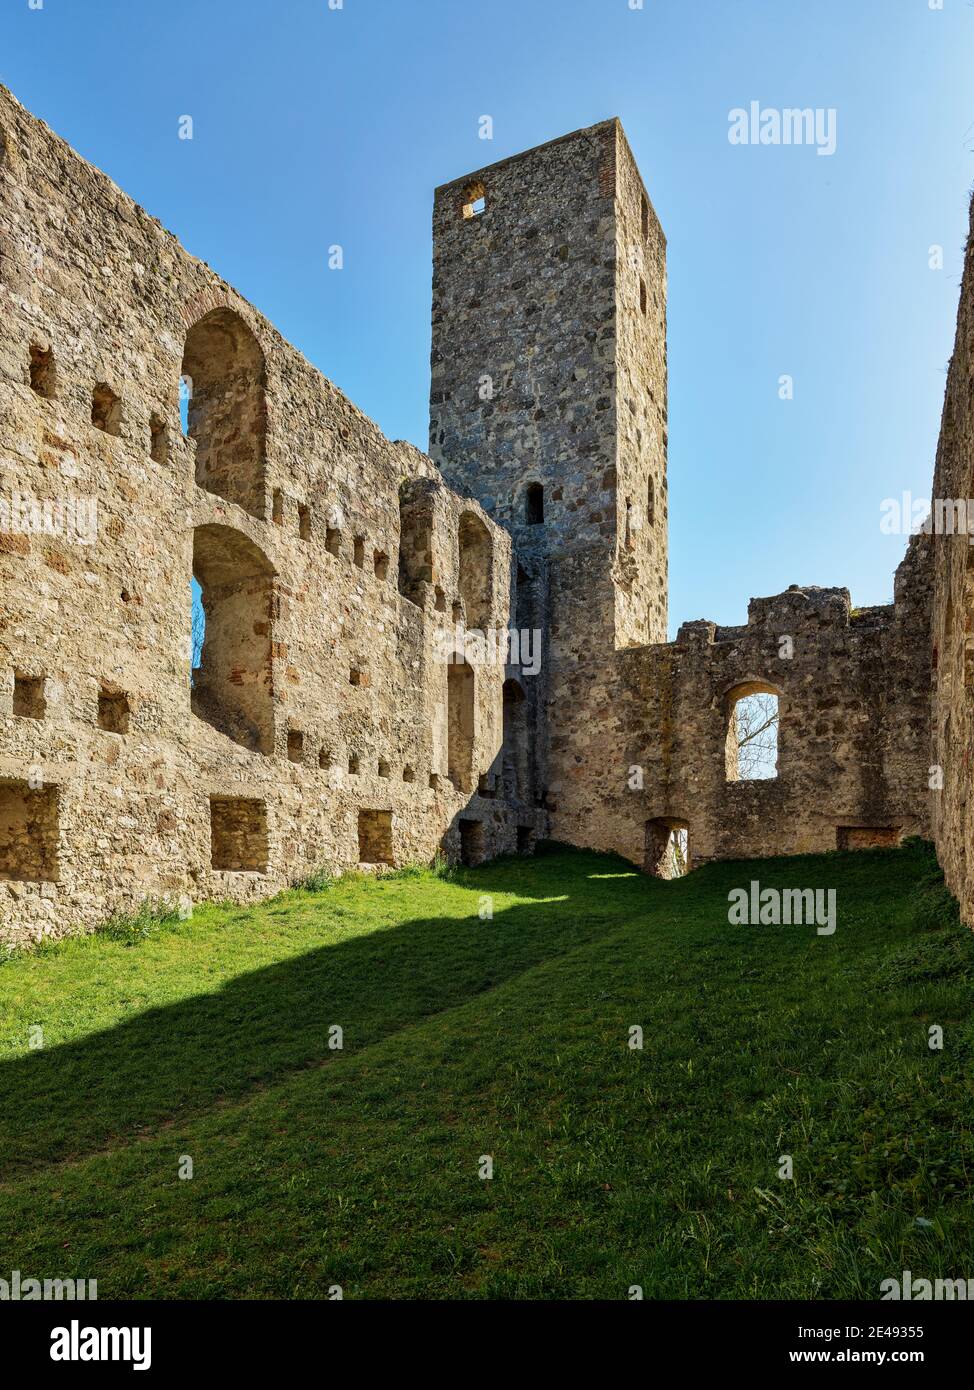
<point>323,689</point>
<point>952,742</point>
<point>351,704</point>
<point>555,294</point>
<point>852,740</point>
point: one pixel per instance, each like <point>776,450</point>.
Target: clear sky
<point>314,126</point>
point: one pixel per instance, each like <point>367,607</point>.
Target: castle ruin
<point>348,706</point>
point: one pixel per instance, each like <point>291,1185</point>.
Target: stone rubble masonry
<point>119,784</point>
<point>324,727</point>
<point>556,292</point>
<point>952,623</point>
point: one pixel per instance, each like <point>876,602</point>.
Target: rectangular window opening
<point>238,834</point>
<point>375,837</point>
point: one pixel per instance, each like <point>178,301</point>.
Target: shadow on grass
<point>67,1101</point>
<point>172,1061</point>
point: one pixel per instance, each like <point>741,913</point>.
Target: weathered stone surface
<point>952,622</point>
<point>117,783</point>
<point>324,727</point>
<point>557,294</point>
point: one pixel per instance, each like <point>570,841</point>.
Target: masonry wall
<point>853,701</point>
<point>952,734</point>
<point>556,292</point>
<point>325,726</point>
<point>316,662</point>
<point>554,295</point>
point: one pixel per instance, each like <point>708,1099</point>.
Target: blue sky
<point>315,126</point>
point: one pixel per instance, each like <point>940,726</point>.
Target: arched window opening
<point>225,411</point>
<point>534,504</point>
<point>752,733</point>
<point>185,394</point>
<point>667,848</point>
<point>475,570</point>
<point>232,685</point>
<point>474,200</point>
<point>515,757</point>
<point>197,627</point>
<point>460,684</point>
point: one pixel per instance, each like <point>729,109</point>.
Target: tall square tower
<point>548,382</point>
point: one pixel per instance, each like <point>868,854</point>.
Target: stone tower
<point>548,390</point>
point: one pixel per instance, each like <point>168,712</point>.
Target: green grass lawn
<point>509,1037</point>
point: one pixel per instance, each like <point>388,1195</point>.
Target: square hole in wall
<point>357,677</point>
<point>42,376</point>
<point>525,839</point>
<point>324,758</point>
<point>375,837</point>
<point>358,551</point>
<point>295,745</point>
<point>106,409</point>
<point>29,702</point>
<point>158,439</point>
<point>384,769</point>
<point>304,522</point>
<point>333,540</point>
<point>471,841</point>
<point>28,832</point>
<point>474,201</point>
<point>380,564</point>
<point>238,834</point>
<point>353,762</point>
<point>113,711</point>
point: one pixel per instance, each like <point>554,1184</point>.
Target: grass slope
<point>509,1037</point>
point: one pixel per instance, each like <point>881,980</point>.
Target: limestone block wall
<point>324,688</point>
<point>853,700</point>
<point>548,373</point>
<point>641,504</point>
<point>550,287</point>
<point>548,403</point>
<point>952,740</point>
<point>347,706</point>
